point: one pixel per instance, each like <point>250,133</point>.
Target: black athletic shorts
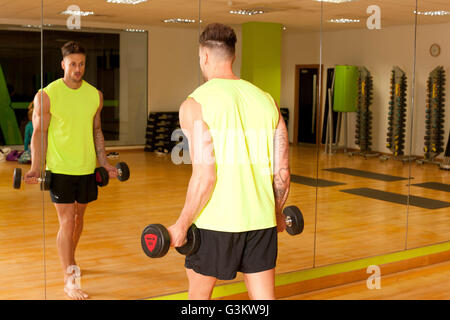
<point>223,254</point>
<point>69,189</point>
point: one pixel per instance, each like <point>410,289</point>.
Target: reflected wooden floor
<point>428,283</point>
<point>110,254</point>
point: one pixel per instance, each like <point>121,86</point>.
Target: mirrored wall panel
<point>22,263</point>
<point>430,128</point>
<point>123,68</point>
<point>364,159</point>
<point>360,84</point>
<point>277,50</point>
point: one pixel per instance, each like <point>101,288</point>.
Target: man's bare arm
<point>281,174</point>
<point>39,139</point>
<point>203,178</point>
<point>99,140</point>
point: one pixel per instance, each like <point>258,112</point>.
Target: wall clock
<point>435,50</point>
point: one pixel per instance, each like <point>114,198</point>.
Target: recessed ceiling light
<point>36,26</point>
<point>433,13</point>
<point>126,1</point>
<point>344,20</point>
<point>335,1</point>
<point>179,20</point>
<point>247,12</point>
<point>77,13</point>
<point>134,30</point>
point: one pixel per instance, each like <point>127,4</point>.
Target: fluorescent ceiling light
<point>179,20</point>
<point>36,26</point>
<point>344,20</point>
<point>126,1</point>
<point>77,13</point>
<point>433,13</point>
<point>247,12</point>
<point>336,1</point>
<point>134,30</point>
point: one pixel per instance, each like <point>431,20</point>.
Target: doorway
<point>307,104</point>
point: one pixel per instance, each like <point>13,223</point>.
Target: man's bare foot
<point>72,284</point>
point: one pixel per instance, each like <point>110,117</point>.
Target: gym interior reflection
<point>362,192</point>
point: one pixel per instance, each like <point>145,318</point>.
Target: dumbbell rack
<point>363,132</point>
<point>434,117</point>
<point>160,126</point>
<point>397,117</point>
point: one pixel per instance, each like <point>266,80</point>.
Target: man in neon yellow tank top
<point>238,145</point>
<point>69,120</point>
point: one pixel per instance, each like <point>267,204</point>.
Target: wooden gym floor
<point>114,267</point>
<point>427,283</point>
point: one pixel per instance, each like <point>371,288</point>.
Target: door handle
<point>314,103</point>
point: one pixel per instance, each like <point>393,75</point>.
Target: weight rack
<point>397,116</point>
<point>434,117</point>
<point>363,134</point>
<point>160,126</point>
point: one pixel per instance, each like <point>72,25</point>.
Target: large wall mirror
<point>428,224</point>
<point>22,226</point>
<point>278,43</point>
<point>368,57</point>
<point>142,56</point>
<point>360,84</point>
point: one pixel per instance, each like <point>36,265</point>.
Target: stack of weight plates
<point>397,113</point>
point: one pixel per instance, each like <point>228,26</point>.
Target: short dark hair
<point>72,47</point>
<point>217,35</point>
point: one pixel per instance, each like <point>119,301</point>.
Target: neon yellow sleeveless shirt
<point>71,147</point>
<point>242,119</point>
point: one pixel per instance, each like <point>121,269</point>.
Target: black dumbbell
<point>102,175</point>
<point>155,241</point>
<point>45,182</point>
<point>294,220</point>
<point>155,238</point>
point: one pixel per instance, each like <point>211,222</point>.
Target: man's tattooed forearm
<point>99,142</point>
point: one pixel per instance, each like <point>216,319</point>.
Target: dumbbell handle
<point>38,179</point>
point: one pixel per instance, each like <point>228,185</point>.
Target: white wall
<point>379,51</point>
<point>174,70</point>
<point>296,49</point>
<point>173,67</point>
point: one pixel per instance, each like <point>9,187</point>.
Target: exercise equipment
<point>159,133</point>
<point>102,175</point>
<point>363,134</point>
<point>155,239</point>
<point>397,116</point>
<point>345,89</point>
<point>342,98</point>
<point>45,182</point>
<point>434,117</point>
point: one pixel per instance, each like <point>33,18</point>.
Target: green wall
<point>8,121</point>
<point>261,56</point>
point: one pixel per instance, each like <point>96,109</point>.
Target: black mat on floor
<point>313,182</point>
<point>434,185</point>
<point>398,198</point>
<point>366,174</point>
